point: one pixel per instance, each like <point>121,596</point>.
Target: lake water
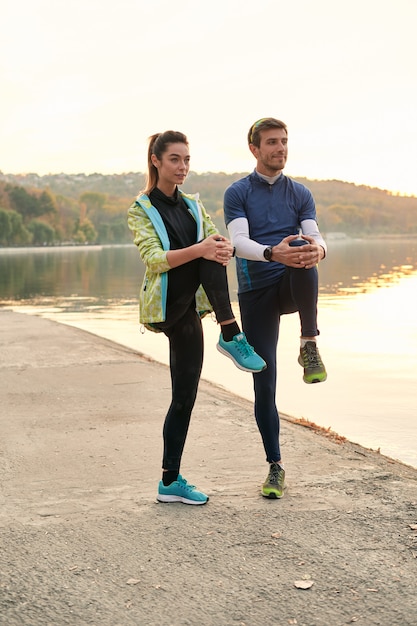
<point>366,316</point>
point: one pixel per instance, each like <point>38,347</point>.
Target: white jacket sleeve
<point>310,228</point>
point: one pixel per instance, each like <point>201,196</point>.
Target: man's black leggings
<point>261,311</point>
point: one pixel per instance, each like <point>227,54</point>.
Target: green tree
<point>104,233</point>
<point>92,204</point>
<point>42,233</point>
<point>47,203</point>
<point>68,212</point>
<point>19,233</point>
<point>348,218</point>
<point>12,229</point>
<point>93,201</point>
<point>120,231</point>
<point>5,227</point>
<point>85,231</point>
<point>23,202</point>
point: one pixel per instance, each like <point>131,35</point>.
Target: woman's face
<point>173,166</point>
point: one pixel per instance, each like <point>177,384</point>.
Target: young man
<point>272,223</point>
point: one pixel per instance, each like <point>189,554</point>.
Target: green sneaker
<point>180,491</point>
<point>274,484</point>
<point>314,370</point>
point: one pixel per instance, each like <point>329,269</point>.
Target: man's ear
<point>254,150</point>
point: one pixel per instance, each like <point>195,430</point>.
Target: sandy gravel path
<point>83,540</point>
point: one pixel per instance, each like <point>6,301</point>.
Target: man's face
<point>271,156</point>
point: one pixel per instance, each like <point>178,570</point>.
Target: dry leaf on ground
<point>303,584</point>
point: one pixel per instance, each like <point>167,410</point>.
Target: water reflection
<point>108,273</point>
<point>360,266</point>
<point>102,273</point>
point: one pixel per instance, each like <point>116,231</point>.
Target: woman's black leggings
<point>185,333</point>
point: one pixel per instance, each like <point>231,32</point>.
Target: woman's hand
<point>214,248</point>
<point>217,248</point>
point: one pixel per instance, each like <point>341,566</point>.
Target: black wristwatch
<point>268,253</point>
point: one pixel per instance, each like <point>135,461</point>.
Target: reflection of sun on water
<point>383,322</point>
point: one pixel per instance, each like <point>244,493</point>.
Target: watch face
<point>268,253</point>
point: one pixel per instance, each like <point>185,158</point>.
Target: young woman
<point>185,278</point>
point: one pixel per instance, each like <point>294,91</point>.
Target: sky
<point>83,84</point>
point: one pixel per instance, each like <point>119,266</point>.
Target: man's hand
<point>305,256</point>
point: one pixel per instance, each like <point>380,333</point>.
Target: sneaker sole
<point>313,378</point>
<point>238,365</point>
<point>272,495</point>
<point>162,498</point>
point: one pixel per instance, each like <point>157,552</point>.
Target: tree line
<point>34,217</point>
<point>79,208</point>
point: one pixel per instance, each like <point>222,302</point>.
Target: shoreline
<point>335,237</point>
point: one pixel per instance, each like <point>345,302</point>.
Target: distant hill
<point>73,185</point>
<point>92,207</point>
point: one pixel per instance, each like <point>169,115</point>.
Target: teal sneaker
<point>180,491</point>
<point>314,370</point>
<point>274,484</point>
<point>241,353</point>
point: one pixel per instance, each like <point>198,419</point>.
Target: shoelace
<point>310,352</point>
<point>274,474</point>
<point>185,484</point>
<point>244,348</point>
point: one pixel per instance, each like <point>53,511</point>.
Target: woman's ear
<point>154,160</point>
